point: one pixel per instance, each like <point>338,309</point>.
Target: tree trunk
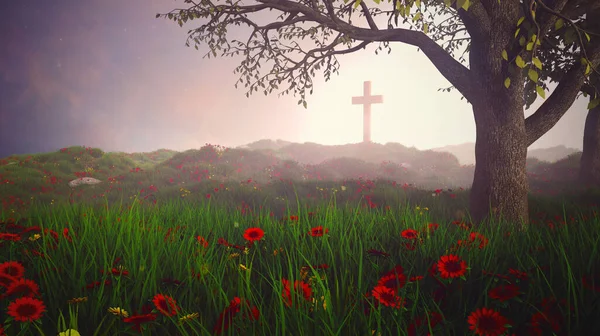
<point>500,185</point>
<point>589,172</point>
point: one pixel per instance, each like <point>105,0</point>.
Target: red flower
<point>483,241</point>
<point>591,282</point>
<point>317,231</point>
<point>24,287</point>
<point>165,304</point>
<point>504,292</point>
<point>26,309</point>
<point>410,234</point>
<point>12,268</point>
<point>253,234</point>
<point>235,306</point>
<point>202,241</point>
<point>137,320</point>
<point>451,266</point>
<point>10,236</point>
<point>287,293</point>
<point>388,297</point>
<point>487,322</point>
<point>392,281</point>
<point>66,234</point>
<point>294,218</point>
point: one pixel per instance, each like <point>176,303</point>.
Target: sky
<point>109,74</point>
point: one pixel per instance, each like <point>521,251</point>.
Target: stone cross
<point>366,101</point>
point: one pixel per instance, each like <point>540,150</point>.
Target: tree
<point>503,36</point>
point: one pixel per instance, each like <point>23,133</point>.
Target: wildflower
<point>10,236</point>
<point>165,304</point>
<point>253,234</point>
<point>504,292</point>
<point>202,241</point>
<point>26,309</point>
<point>118,312</point>
<point>387,296</point>
<point>487,322</point>
<point>35,237</point>
<point>410,234</point>
<point>24,287</point>
<point>451,266</point>
<point>137,320</point>
<point>393,281</point>
<point>188,317</point>
<point>287,294</point>
<point>317,231</point>
<point>69,332</point>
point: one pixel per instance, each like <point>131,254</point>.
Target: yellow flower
<point>234,255</point>
<point>69,332</point>
<point>35,237</point>
<point>243,268</point>
<point>188,317</point>
<point>118,312</point>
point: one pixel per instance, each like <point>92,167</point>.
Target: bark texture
<point>589,173</point>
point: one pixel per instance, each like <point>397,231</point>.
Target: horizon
<point>110,75</point>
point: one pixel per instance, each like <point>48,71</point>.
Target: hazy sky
<point>108,74</point>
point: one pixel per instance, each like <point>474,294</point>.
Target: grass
<point>320,258</point>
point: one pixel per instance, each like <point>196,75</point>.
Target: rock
<point>83,180</point>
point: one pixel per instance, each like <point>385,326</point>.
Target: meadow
<point>171,245</point>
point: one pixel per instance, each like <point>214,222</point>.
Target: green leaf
<point>593,103</point>
<point>505,55</point>
<point>356,4</point>
<point>460,3</point>
<point>521,19</point>
<point>522,41</point>
<point>517,32</point>
<point>507,82</point>
<point>587,36</point>
<point>533,75</point>
<point>466,5</point>
<point>537,63</point>
<point>520,62</point>
<point>425,28</point>
<point>377,1</point>
<point>417,16</point>
<point>304,103</point>
<point>588,69</point>
<point>540,91</point>
<point>418,2</point>
<point>529,46</point>
<point>558,24</point>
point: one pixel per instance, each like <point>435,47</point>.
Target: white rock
<point>83,180</point>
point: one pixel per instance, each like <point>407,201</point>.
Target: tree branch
<point>550,112</point>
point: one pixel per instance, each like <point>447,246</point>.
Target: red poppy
<point>387,297</point>
<point>487,322</point>
<point>451,266</point>
<point>12,268</point>
<point>253,234</point>
<point>287,294</point>
<point>504,292</point>
<point>24,287</point>
<point>26,309</point>
<point>410,234</point>
<point>317,231</point>
<point>165,304</point>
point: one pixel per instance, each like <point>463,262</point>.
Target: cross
<point>366,101</point>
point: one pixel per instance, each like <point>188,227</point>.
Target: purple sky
<point>108,74</point>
